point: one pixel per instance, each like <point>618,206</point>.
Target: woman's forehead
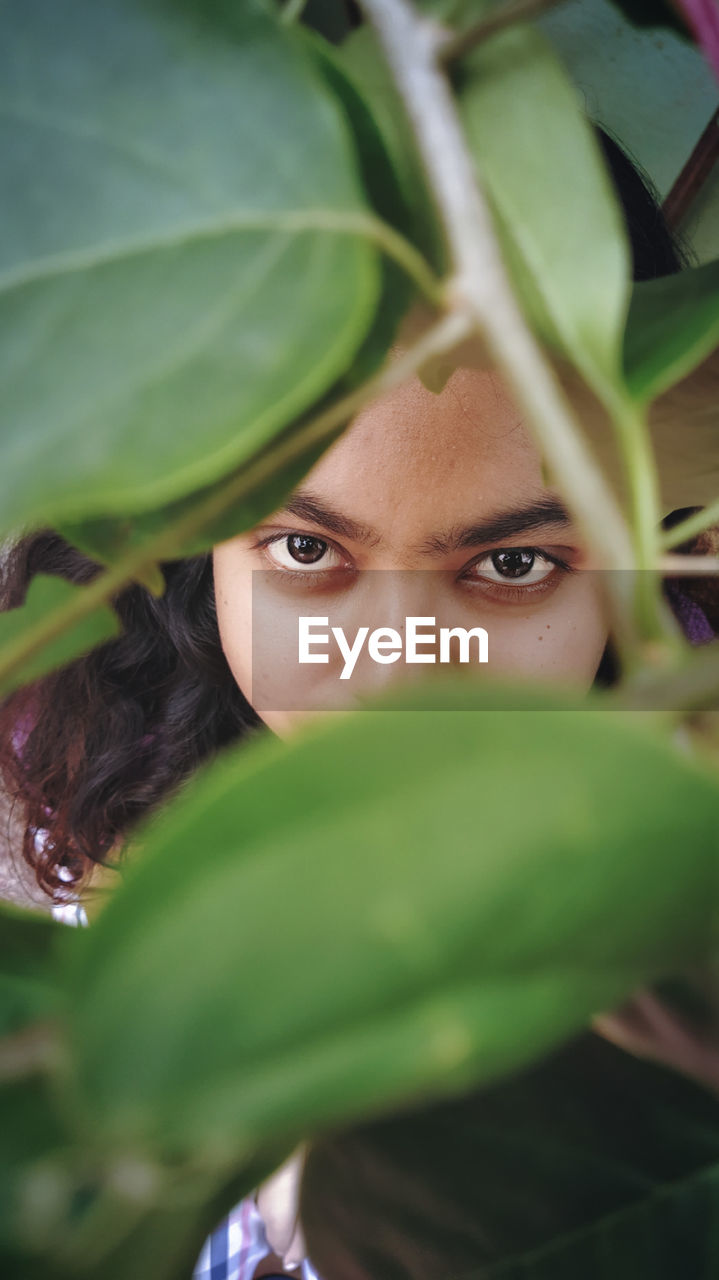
<point>421,459</point>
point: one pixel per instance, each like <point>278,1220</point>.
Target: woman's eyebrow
<point>304,504</point>
<point>502,524</point>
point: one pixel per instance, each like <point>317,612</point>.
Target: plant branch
<point>692,686</point>
<point>292,11</point>
<point>693,566</point>
<point>462,42</point>
<point>445,334</point>
<point>481,286</point>
<point>691,527</point>
<point>404,253</point>
<point>346,222</point>
<point>630,425</point>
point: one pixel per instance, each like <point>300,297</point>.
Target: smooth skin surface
<point>450,485</point>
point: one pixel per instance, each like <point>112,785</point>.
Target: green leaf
<point>672,325</point>
<point>43,633</point>
<point>555,209</point>
<point>382,183</point>
<point>363,60</point>
<point>593,1164</point>
<point>652,13</point>
<point>186,262</point>
<point>403,905</point>
<point>27,981</point>
<point>107,538</point>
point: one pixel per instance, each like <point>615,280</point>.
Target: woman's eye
<point>302,551</point>
<point>512,564</point>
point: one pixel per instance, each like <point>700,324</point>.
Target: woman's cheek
<point>233,602</point>
<point>562,638</point>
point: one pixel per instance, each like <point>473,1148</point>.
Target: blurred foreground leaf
<point>439,898</point>
<point>27,942</point>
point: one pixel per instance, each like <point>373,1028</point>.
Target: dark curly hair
<point>89,750</point>
<point>93,747</point>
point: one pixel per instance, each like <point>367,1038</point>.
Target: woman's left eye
<point>514,566</point>
<point>301,552</point>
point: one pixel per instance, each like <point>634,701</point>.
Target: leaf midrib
<point>52,266</point>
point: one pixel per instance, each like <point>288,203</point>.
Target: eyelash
<point>496,589</point>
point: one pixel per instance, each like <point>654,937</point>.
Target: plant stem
<point>404,253</point>
<point>292,11</point>
<point>631,427</point>
<point>692,686</point>
<point>346,222</point>
<point>481,286</point>
<point>461,42</point>
<point>691,566</point>
<point>691,527</point>
<point>445,334</point>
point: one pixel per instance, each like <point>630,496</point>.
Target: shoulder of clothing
<point>237,1245</point>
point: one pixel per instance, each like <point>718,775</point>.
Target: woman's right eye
<point>298,551</point>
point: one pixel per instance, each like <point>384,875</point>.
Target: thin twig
<point>292,11</point>
<point>689,565</point>
<point>462,42</point>
<point>481,284</point>
<point>693,686</point>
<point>348,222</point>
<point>445,334</point>
<point>691,527</point>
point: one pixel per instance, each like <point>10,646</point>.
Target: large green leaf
<point>556,211</point>
<point>405,904</point>
<point>381,174</point>
<point>27,982</point>
<point>107,538</point>
<point>363,60</point>
<point>673,323</point>
<point>44,633</point>
<point>178,274</point>
<point>592,1165</point>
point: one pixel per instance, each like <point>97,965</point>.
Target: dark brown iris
<point>305,549</point>
<point>514,563</point>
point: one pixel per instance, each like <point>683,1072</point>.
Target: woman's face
<point>430,506</point>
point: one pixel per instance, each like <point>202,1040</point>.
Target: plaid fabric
<point>235,1247</point>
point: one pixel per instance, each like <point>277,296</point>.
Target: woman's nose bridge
<point>397,594</point>
<point>393,596</point>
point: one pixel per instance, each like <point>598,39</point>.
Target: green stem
<point>292,11</point>
<point>632,431</point>
<point>691,527</point>
<point>293,221</point>
<point>404,253</point>
<point>505,15</point>
<point>481,286</point>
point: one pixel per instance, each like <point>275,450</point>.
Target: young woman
<point>428,505</point>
